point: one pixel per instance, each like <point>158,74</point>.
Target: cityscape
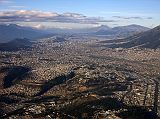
<point>56,65</point>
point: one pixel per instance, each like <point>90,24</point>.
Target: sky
<point>80,13</point>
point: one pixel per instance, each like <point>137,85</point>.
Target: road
<point>156,107</point>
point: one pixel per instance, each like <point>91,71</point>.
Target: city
<point>83,59</point>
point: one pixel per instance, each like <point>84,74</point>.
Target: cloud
<point>122,17</point>
<point>5,1</point>
<point>149,18</point>
<point>133,17</point>
<point>39,16</point>
<point>17,6</point>
<point>39,26</point>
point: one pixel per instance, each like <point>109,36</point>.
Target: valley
<point>73,79</point>
<point>79,59</point>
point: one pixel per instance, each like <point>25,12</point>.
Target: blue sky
<point>113,12</point>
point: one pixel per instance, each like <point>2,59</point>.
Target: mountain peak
<point>104,27</point>
<point>9,32</point>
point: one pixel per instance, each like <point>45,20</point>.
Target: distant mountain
<point>122,31</point>
<point>13,31</point>
<point>99,29</point>
<point>132,27</point>
<point>15,45</point>
<point>78,30</point>
<point>148,39</point>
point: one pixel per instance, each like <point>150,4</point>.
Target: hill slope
<point>148,39</point>
<point>12,31</point>
<point>123,31</point>
<point>15,45</point>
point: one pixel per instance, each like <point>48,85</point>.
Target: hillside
<point>12,31</point>
<point>15,45</point>
<point>122,31</point>
<point>148,39</point>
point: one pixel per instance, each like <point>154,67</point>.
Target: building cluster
<point>108,83</point>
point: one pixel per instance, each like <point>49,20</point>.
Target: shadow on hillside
<point>53,82</point>
<point>7,100</point>
<point>14,74</point>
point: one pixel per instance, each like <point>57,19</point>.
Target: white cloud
<point>40,16</point>
<point>17,6</point>
<point>132,17</point>
<point>5,1</point>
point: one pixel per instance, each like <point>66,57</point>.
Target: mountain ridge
<point>9,32</point>
<point>148,39</point>
<point>123,31</point>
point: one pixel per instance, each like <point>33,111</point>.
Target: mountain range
<point>121,31</point>
<point>14,37</point>
<point>148,39</point>
<point>10,32</point>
